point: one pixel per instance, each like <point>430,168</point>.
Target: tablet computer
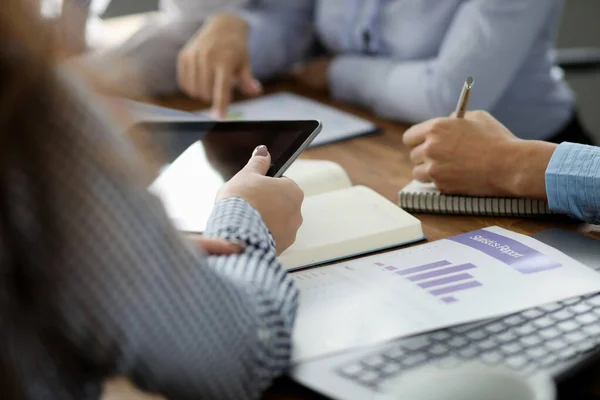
<point>195,158</point>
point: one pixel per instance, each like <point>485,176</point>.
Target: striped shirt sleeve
<point>573,181</point>
<point>140,300</point>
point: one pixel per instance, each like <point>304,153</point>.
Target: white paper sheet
<point>337,124</point>
<point>146,112</point>
<point>479,275</point>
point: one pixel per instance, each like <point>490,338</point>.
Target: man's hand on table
<point>478,156</point>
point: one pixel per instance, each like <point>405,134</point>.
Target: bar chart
<point>441,279</point>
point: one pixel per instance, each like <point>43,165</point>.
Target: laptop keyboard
<point>538,338</point>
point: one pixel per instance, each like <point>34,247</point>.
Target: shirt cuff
<point>570,181</point>
<point>234,219</point>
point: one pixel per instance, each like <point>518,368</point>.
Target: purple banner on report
<point>517,255</point>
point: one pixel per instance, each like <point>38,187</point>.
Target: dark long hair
<point>31,100</point>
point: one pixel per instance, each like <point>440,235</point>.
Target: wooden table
<point>382,163</point>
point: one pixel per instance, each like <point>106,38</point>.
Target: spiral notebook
<point>426,198</point>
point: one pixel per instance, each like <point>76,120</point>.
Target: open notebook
<point>426,198</point>
<point>341,220</point>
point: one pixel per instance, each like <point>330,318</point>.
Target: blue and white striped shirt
<point>573,181</point>
<point>131,295</point>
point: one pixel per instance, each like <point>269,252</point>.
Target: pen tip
<point>470,81</point>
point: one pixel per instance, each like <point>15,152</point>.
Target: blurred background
<point>580,28</point>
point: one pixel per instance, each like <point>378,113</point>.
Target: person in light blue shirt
<point>405,60</point>
<point>479,156</point>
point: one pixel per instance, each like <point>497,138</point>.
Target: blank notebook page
<point>318,176</point>
<point>348,222</point>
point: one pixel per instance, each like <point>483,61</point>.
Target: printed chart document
<point>478,275</point>
<point>337,124</point>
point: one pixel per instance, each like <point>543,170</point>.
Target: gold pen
<point>463,100</point>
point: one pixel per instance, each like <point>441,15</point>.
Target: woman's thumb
<point>260,162</point>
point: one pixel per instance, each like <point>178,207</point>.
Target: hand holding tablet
<point>278,201</point>
<point>199,157</point>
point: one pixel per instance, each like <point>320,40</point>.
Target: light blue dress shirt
<point>573,181</point>
<point>408,59</point>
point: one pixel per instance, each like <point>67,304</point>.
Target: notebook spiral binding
<point>436,203</point>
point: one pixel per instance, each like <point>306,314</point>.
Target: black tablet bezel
<point>308,128</point>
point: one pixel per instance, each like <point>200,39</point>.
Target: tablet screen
<point>196,158</point>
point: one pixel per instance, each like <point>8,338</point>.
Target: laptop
<point>558,338</point>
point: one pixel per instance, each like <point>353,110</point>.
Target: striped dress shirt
<point>132,296</point>
<point>573,181</point>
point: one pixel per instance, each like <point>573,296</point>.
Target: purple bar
<point>533,268</point>
<point>424,267</point>
<point>441,272</point>
<point>449,299</point>
<point>390,268</point>
<point>515,254</point>
<point>455,288</point>
<point>379,264</point>
<point>443,281</point>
